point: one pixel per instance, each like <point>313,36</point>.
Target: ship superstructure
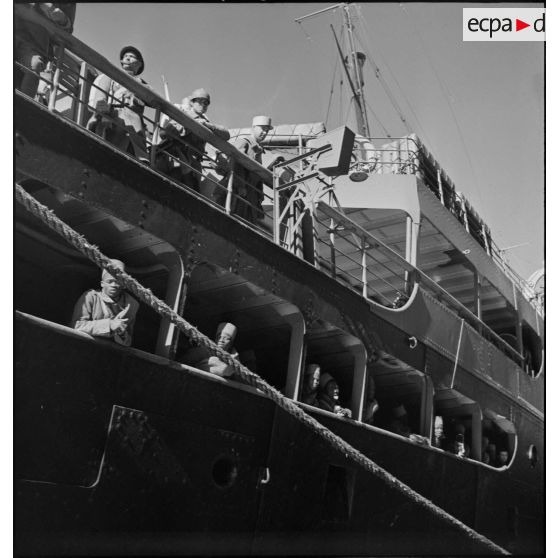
<point>366,260</point>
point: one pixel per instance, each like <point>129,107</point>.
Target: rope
<point>79,242</point>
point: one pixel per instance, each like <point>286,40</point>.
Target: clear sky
<point>478,106</point>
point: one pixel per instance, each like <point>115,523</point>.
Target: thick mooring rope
<point>48,217</point>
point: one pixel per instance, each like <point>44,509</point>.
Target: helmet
<point>264,121</point>
<point>200,94</point>
<point>135,51</point>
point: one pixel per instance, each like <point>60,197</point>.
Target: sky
<point>478,106</point>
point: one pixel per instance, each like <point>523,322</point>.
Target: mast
<point>353,62</point>
<point>357,61</point>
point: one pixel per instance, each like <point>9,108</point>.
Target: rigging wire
<point>342,80</point>
<point>348,110</point>
<point>390,95</point>
<point>308,37</point>
<point>332,88</point>
<point>368,49</point>
<point>446,94</point>
<point>386,132</point>
<point>311,41</point>
<point>383,83</point>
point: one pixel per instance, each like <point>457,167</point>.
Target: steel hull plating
<point>119,451</point>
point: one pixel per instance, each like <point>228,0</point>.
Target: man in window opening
<point>118,113</point>
<point>492,457</point>
<point>459,447</point>
<point>187,162</point>
<point>484,450</point>
<point>328,396</point>
<point>199,357</point>
<point>439,436</point>
<point>33,45</point>
<point>371,406</point>
<point>503,457</point>
<point>311,384</point>
<point>399,423</point>
<point>109,313</point>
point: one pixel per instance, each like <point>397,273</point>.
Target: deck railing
<point>408,155</point>
<point>237,186</point>
<point>341,248</point>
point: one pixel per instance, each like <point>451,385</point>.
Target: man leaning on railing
<point>248,188</point>
<point>181,154</point>
<point>33,47</point>
<point>118,113</point>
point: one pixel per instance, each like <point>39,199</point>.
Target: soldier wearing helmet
<point>117,112</point>
<point>186,150</point>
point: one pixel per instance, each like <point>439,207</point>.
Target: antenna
<point>514,246</point>
<point>357,59</point>
<point>166,87</point>
<point>299,19</point>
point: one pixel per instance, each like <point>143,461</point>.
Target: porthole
<point>224,472</point>
<point>532,454</point>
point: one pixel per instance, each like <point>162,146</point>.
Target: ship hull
<point>119,451</point>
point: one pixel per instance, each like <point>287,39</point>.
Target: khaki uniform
<point>124,126</point>
<point>248,189</point>
<point>94,310</point>
<point>186,150</point>
<point>32,46</point>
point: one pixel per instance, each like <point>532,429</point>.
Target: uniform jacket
<point>94,310</point>
<point>37,37</point>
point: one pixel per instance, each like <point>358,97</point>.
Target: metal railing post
<point>228,201</point>
<point>364,270</point>
<point>155,136</point>
<point>332,247</point>
<point>59,52</point>
<point>276,210</point>
<point>440,186</point>
<point>82,102</point>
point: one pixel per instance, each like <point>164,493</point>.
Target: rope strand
<point>48,217</point>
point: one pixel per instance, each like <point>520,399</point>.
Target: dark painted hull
<point>121,452</point>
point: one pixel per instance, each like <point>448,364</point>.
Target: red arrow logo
<point>519,25</point>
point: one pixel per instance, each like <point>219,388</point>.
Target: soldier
<point>439,437</point>
<point>110,312</point>
<point>371,406</point>
<point>199,357</point>
<point>503,457</point>
<point>118,113</point>
<point>328,396</point>
<point>199,103</point>
<point>248,189</point>
<point>185,149</point>
<point>32,47</point>
<point>399,423</point>
<point>311,384</point>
